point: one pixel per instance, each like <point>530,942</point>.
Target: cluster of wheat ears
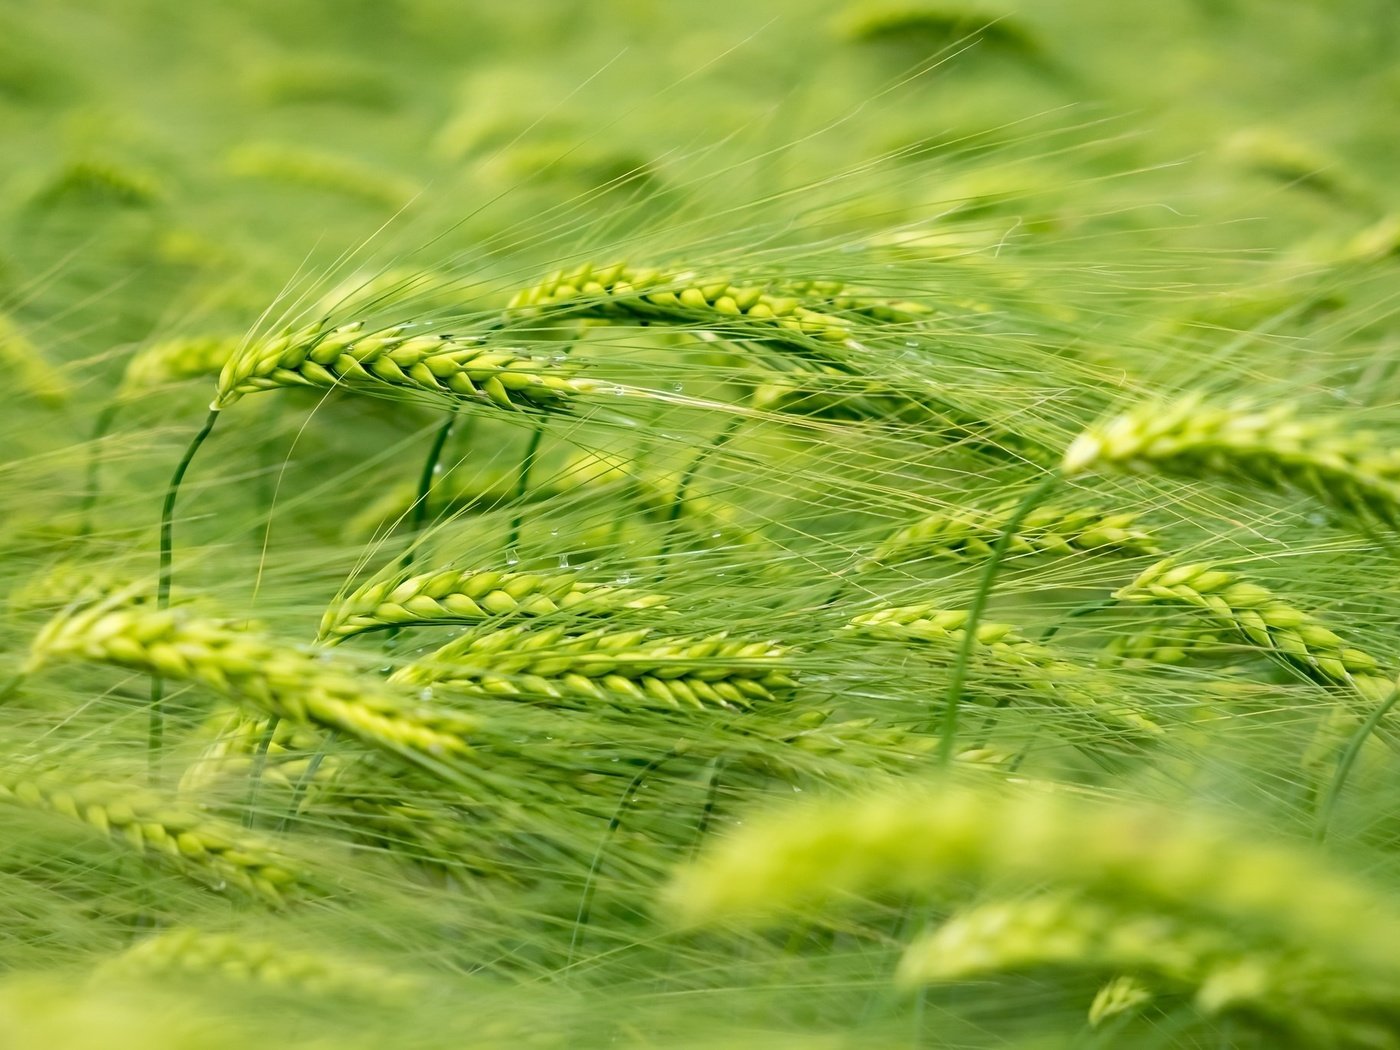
<point>456,691</point>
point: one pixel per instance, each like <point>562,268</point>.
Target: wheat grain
<point>628,666</point>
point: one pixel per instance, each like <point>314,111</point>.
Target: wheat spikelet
<point>197,844</point>
<point>630,666</point>
<point>1118,996</point>
<point>929,839</point>
<point>470,596</point>
<point>229,957</point>
<point>281,680</point>
<point>396,358</point>
<point>1349,471</point>
<point>973,531</point>
<point>1001,646</point>
<point>26,372</point>
<point>176,360</point>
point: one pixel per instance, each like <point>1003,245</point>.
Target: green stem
<point>156,733</point>
<point>683,487</point>
<point>522,485</point>
<point>974,615</point>
<point>425,479</point>
<point>100,429</point>
<point>585,904</point>
<point>1348,761</point>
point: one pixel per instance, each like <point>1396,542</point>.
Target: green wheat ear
<point>1353,472</point>
<point>454,368</point>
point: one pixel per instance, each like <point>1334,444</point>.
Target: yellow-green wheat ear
<point>300,685</point>
<point>195,843</point>
<point>970,532</point>
<point>457,596</point>
<point>192,954</point>
<point>1354,472</point>
<point>399,360</point>
<point>629,668</point>
<point>999,646</point>
<point>935,839</point>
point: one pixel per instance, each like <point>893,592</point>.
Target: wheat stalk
<point>631,666</point>
<point>1352,472</point>
<point>286,682</point>
<point>1001,646</point>
<point>970,532</point>
<point>195,843</point>
<point>398,358</point>
<point>469,596</point>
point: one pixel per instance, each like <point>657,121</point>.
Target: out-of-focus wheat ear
<point>27,373</point>
<point>282,680</point>
<point>932,839</point>
<point>185,953</point>
<point>195,843</point>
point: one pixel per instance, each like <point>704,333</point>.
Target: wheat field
<point>806,525</point>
